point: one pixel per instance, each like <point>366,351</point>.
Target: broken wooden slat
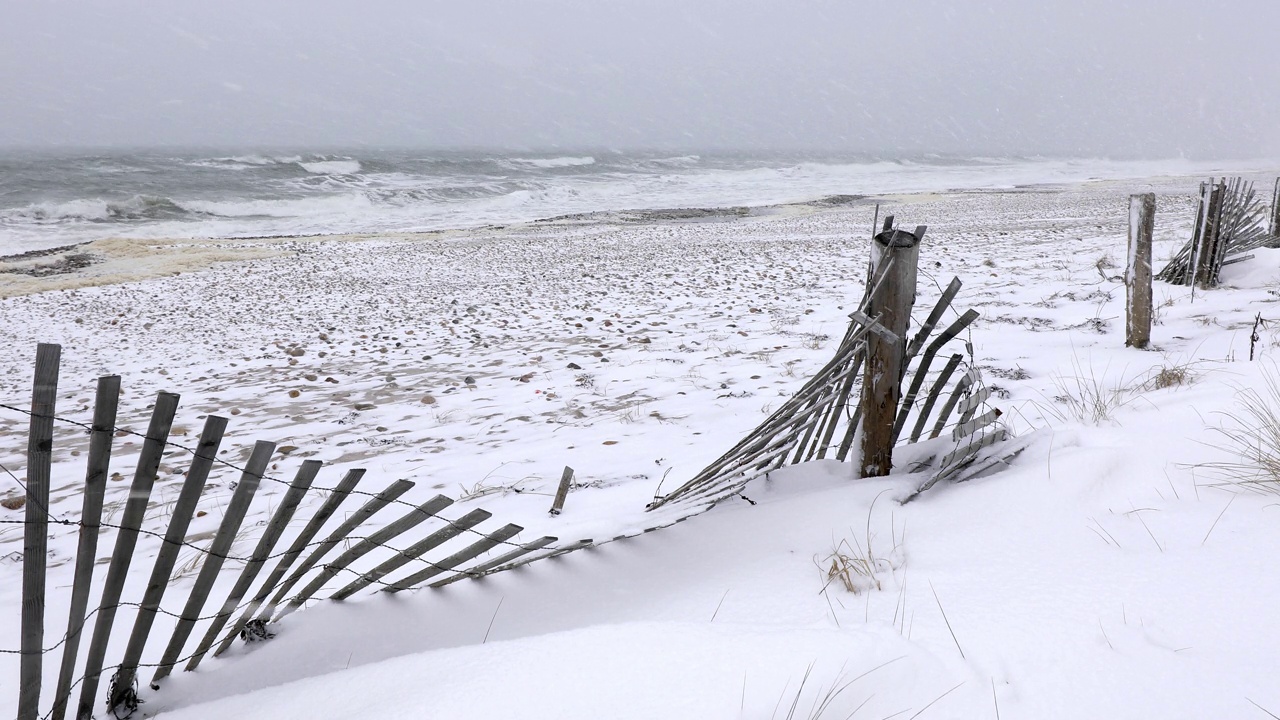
<point>562,492</point>
<point>135,508</point>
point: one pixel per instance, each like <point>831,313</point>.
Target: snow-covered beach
<point>1106,573</point>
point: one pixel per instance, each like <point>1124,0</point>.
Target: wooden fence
<point>431,548</point>
<point>1230,220</point>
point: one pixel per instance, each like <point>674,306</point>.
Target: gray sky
<point>1080,77</point>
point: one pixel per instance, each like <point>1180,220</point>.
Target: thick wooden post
<point>1203,269</point>
<point>1273,229</point>
<point>36,538</point>
<point>1137,276</point>
<point>894,254</point>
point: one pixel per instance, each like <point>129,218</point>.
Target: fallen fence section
<point>1230,221</point>
<point>824,418</point>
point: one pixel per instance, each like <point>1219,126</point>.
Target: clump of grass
<point>1088,397</point>
<point>1251,433</point>
<point>856,565</point>
<point>1167,376</point>
<point>854,568</point>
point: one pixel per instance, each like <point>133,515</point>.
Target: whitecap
<point>331,167</point>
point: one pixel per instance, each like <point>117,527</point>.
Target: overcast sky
<point>1152,78</point>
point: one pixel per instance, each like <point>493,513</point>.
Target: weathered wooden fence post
<point>1273,228</point>
<point>135,509</point>
<point>36,533</point>
<point>105,407</point>
<point>1137,276</point>
<point>894,256</point>
<point>562,492</point>
<point>1206,249</point>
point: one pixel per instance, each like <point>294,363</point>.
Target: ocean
<point>49,199</point>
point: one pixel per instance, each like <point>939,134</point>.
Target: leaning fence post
<point>105,406</point>
<point>126,542</point>
<point>562,492</point>
<point>1137,276</point>
<point>894,255</point>
<point>1203,270</point>
<point>36,533</point>
<point>1273,228</point>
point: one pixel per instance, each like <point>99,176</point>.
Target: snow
<point>1107,572</point>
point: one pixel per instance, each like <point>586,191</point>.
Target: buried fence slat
<point>474,550</point>
<point>329,570</point>
<point>348,526</point>
<point>413,552</point>
<point>309,531</point>
<point>948,469</point>
<point>484,567</point>
<point>121,693</point>
<point>105,405</point>
<point>218,550</point>
<point>925,361</point>
<point>35,541</point>
<point>184,509</point>
<point>562,492</point>
<point>135,508</point>
<point>952,462</point>
<point>962,386</point>
<point>929,402</point>
<point>555,552</point>
<point>275,528</point>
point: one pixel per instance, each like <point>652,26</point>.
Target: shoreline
<point>131,259</point>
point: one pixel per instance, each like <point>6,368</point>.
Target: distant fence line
<point>821,419</point>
